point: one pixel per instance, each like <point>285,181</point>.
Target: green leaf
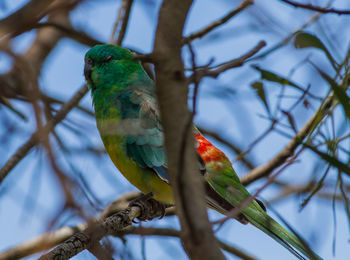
<point>260,91</point>
<point>273,77</point>
<point>330,159</point>
<point>290,120</point>
<point>307,40</point>
<point>339,91</point>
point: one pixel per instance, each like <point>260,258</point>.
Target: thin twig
<point>42,133</point>
<point>316,8</point>
<point>238,62</point>
<point>217,23</point>
<point>288,150</point>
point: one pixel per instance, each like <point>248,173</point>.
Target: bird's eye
<point>109,58</point>
<point>90,61</point>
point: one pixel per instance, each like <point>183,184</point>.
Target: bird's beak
<point>87,71</point>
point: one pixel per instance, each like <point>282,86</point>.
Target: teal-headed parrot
<point>127,118</point>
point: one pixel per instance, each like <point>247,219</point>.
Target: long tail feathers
<point>282,236</point>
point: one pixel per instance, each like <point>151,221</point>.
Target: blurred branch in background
<point>121,22</point>
<point>316,8</point>
<point>42,133</point>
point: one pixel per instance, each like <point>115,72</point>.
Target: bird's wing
<point>145,146</point>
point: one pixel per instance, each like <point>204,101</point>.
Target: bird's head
<point>109,65</point>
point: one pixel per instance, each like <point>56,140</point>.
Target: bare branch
<point>32,12</point>
<point>125,21</point>
<point>49,240</point>
<point>122,22</point>
<point>171,90</point>
<point>144,208</point>
<point>13,83</point>
<point>86,239</point>
<point>72,33</point>
<point>231,64</point>
<point>41,243</point>
<point>316,8</point>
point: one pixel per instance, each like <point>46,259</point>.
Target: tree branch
<point>171,89</point>
<point>49,240</point>
<point>144,208</point>
<point>316,8</point>
<point>228,65</point>
<point>14,83</point>
<point>32,12</point>
<point>77,35</point>
<point>93,233</point>
<point>122,22</point>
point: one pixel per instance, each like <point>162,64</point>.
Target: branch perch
<point>144,208</point>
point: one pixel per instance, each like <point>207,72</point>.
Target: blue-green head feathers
<point>109,66</point>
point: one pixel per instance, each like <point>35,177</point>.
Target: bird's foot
<point>149,207</point>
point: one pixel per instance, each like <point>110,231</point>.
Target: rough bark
<point>197,235</point>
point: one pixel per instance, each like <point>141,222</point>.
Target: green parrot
<point>127,117</point>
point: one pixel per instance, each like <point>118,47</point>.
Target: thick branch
<point>86,239</point>
<point>144,208</point>
<point>14,83</point>
<point>32,12</point>
<point>172,91</point>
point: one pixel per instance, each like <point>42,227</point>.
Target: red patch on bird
<point>208,151</point>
